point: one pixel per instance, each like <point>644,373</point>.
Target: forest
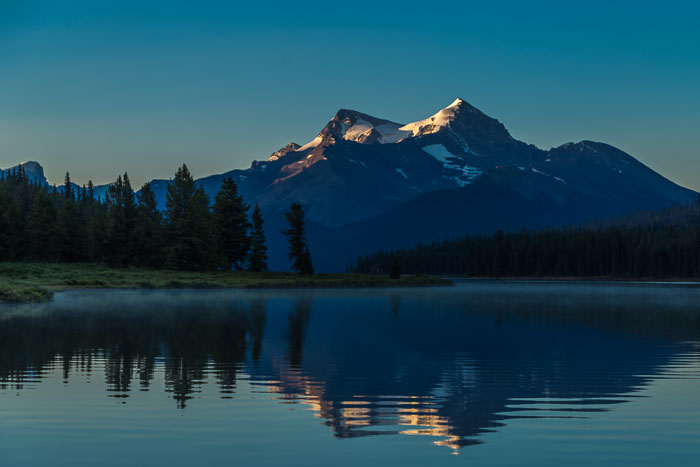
<point>661,245</point>
<point>40,223</point>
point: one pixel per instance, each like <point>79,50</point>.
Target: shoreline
<point>592,280</point>
<point>37,282</point>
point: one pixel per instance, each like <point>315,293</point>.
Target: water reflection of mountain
<point>450,363</point>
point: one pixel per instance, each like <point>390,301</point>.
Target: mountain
<point>35,174</point>
<point>33,170</point>
<point>367,183</point>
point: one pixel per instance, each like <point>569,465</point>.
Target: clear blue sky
<point>99,87</point>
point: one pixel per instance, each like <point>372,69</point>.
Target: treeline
<point>42,223</point>
<point>669,247</point>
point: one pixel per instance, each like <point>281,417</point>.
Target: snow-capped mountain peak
<point>438,121</point>
<point>351,125</point>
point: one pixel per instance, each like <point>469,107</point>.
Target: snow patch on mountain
<point>358,131</point>
<point>311,144</point>
<point>361,130</point>
<point>439,152</point>
<point>357,162</point>
<point>452,162</point>
<point>559,179</point>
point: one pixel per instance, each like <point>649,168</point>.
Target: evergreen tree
<point>129,219</point>
<point>113,233</point>
<point>149,229</point>
<point>298,251</point>
<point>71,245</point>
<point>257,258</point>
<point>120,246</point>
<point>307,267</point>
<point>189,225</point>
<point>67,187</point>
<point>90,191</point>
<point>6,230</point>
<point>231,225</point>
<point>42,223</point>
<point>96,232</point>
<point>395,269</point>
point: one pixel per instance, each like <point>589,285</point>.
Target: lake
<point>483,373</point>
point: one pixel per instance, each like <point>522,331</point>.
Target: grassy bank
<point>23,282</point>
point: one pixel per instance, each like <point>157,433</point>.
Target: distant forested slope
<point>663,244</point>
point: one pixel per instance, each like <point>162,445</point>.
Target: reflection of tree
<point>118,372</point>
<point>395,300</point>
<point>182,376</point>
<point>258,316</point>
<point>298,321</point>
<point>146,371</point>
<point>128,341</point>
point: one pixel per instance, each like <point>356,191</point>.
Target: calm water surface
<point>483,373</point>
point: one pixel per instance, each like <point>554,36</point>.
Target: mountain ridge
<point>454,169</point>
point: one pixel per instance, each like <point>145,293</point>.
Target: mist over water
<point>483,372</point>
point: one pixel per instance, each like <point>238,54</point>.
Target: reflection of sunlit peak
<point>356,416</point>
<point>452,442</point>
<point>429,425</point>
<point>355,402</point>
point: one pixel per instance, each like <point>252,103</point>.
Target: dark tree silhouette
<point>120,244</point>
<point>67,186</point>
<point>71,247</point>
<point>296,238</point>
<point>395,269</point>
<point>231,225</point>
<point>189,224</point>
<point>149,229</point>
<point>257,258</point>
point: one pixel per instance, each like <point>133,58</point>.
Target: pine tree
<point>231,225</point>
<point>307,267</point>
<point>189,225</point>
<point>67,187</point>
<point>6,231</point>
<point>113,234</point>
<point>395,269</point>
<point>42,222</point>
<point>91,191</point>
<point>69,233</point>
<point>257,258</point>
<point>149,229</point>
<point>120,222</point>
<point>96,232</point>
<point>129,219</point>
<point>298,251</point>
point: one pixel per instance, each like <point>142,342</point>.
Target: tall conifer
<point>189,224</point>
<point>298,248</point>
<point>231,225</point>
<point>257,258</point>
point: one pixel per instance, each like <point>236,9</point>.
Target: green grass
<point>26,282</point>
